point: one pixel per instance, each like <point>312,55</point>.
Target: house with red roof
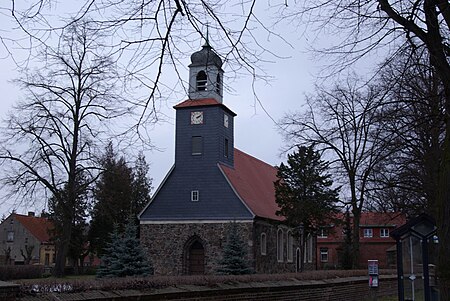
<point>374,237</point>
<point>25,239</point>
<point>211,185</point>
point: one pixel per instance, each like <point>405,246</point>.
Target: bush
<point>158,282</point>
<point>12,272</point>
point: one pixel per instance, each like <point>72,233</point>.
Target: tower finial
<point>207,36</point>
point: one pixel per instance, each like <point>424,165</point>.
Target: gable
<point>37,226</point>
<point>217,200</point>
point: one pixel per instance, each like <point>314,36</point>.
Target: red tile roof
<point>382,219</point>
<point>202,103</point>
<point>197,102</point>
<point>253,180</point>
<point>38,226</point>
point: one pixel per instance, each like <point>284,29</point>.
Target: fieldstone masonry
<point>167,245</point>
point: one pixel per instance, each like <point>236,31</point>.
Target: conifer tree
<point>141,185</point>
<point>304,191</point>
<point>123,255</point>
<point>345,256</point>
<point>120,191</point>
<point>234,260</point>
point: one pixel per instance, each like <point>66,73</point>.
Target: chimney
<point>30,213</point>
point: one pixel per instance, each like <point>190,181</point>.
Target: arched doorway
<point>194,257</point>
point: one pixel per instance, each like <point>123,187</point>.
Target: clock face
<point>225,120</point>
<point>197,117</point>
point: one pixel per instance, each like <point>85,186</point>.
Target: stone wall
<point>340,289</point>
<point>8,291</point>
<point>166,244</point>
<point>269,263</point>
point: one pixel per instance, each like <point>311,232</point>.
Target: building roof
<point>37,226</point>
<point>253,181</point>
<point>204,102</point>
<point>380,219</point>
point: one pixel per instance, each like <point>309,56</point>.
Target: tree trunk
<point>355,239</point>
<point>442,208</point>
<point>443,218</point>
<point>61,251</point>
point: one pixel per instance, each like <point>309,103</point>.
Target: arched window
<point>263,244</point>
<point>308,251</point>
<point>290,247</point>
<point>218,84</point>
<point>280,245</point>
<point>201,81</point>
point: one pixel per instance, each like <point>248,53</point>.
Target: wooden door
<point>196,259</point>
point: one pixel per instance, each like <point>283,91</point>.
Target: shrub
<point>158,282</point>
<point>234,260</point>
<point>124,255</point>
<point>12,272</point>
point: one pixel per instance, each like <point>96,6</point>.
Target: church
<point>184,227</point>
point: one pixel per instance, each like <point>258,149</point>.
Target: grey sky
<point>255,132</point>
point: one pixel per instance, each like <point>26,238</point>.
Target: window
<point>218,84</point>
<point>197,145</point>
<point>368,232</point>
<point>194,195</point>
<point>263,244</point>
<point>225,150</point>
<point>290,247</point>
<point>323,233</point>
<point>323,254</point>
<point>280,245</point>
<point>308,249</point>
<point>201,81</point>
<point>10,236</point>
<point>384,232</point>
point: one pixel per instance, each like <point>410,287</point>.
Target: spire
<point>207,37</point>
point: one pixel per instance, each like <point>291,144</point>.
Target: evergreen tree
<point>115,197</point>
<point>304,191</point>
<point>345,256</point>
<point>123,255</point>
<point>141,185</point>
<point>233,261</point>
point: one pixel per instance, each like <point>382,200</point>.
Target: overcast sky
<point>255,132</point>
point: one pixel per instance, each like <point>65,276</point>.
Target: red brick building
<point>375,240</point>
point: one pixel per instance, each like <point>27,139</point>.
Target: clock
<point>225,120</point>
<point>197,117</point>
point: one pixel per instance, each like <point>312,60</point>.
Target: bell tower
<point>206,74</point>
<point>204,125</point>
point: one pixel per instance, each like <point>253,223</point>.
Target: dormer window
<point>218,84</point>
<point>202,80</point>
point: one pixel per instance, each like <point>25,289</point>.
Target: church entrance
<point>195,259</point>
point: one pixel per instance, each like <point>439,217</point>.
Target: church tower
<point>206,74</point>
<point>204,125</point>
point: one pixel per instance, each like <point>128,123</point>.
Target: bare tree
<point>365,26</point>
<point>408,180</point>
<point>28,254</point>
<point>52,138</point>
<point>344,123</point>
<point>151,38</point>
